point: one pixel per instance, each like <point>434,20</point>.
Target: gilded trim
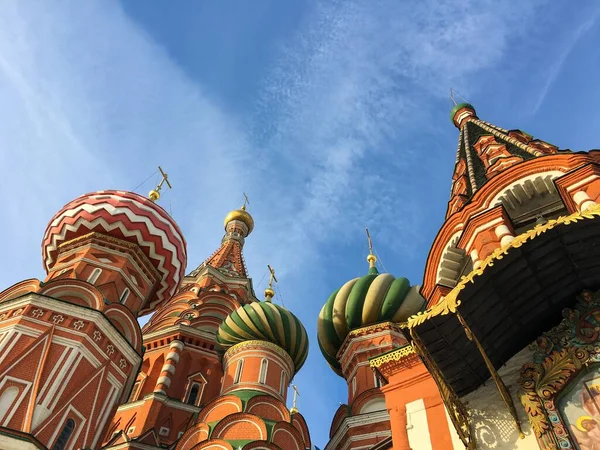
<point>396,355</point>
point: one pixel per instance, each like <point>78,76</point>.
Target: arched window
<point>65,435</point>
<point>193,395</point>
<point>238,371</point>
<point>262,376</point>
<point>282,384</point>
<point>6,400</point>
<point>94,275</point>
<point>124,295</point>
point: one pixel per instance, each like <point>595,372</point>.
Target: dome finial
<point>154,194</point>
<point>269,292</point>
<point>294,409</point>
<point>372,259</point>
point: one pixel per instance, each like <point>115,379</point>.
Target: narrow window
<point>124,295</point>
<point>353,385</point>
<point>65,435</point>
<point>135,391</point>
<point>262,377</point>
<point>238,371</point>
<point>377,380</point>
<point>193,396</point>
<point>282,383</point>
<point>94,275</point>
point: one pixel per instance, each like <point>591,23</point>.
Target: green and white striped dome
<point>361,302</point>
<point>265,321</point>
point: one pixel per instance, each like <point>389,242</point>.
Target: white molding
<point>171,402</point>
<point>355,422</point>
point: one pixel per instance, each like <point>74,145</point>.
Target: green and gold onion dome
<point>361,302</point>
<point>265,321</point>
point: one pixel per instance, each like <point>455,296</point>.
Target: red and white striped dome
<point>127,216</point>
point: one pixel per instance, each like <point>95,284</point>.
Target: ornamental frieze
<point>561,386</point>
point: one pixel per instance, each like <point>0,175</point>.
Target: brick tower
<point>70,346</point>
<point>265,345</point>
<point>359,331</point>
<point>511,330</point>
<point>182,372</point>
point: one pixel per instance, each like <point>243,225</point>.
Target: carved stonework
<point>494,155</point>
<point>560,355</point>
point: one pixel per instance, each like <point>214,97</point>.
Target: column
<point>168,369</point>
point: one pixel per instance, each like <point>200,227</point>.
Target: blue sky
<point>332,116</point>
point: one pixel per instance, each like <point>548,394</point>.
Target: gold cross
<point>370,242</point>
<point>371,258</point>
<point>452,96</point>
<point>155,193</point>
<point>269,292</point>
<point>272,277</point>
<point>246,201</point>
<point>296,395</point>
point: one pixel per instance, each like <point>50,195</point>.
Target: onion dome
<point>460,112</point>
<point>265,321</point>
<point>127,216</point>
<point>364,301</point>
<point>240,215</point>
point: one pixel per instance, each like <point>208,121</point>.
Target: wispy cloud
<point>558,62</point>
<point>341,111</point>
<point>90,102</point>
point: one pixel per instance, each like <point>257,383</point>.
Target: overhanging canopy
<point>512,298</point>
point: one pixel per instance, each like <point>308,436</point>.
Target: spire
<point>228,258</point>
<point>485,150</point>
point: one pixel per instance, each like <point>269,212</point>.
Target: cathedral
<point>498,348</point>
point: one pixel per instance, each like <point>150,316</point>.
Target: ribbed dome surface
<point>266,321</point>
<point>361,302</point>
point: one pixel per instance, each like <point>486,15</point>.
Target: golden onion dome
<point>243,216</point>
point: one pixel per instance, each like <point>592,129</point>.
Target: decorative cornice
<point>82,312</point>
<point>237,348</point>
<point>350,422</point>
<point>160,399</point>
<point>395,355</point>
<point>451,302</point>
<point>366,331</point>
<point>127,247</point>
